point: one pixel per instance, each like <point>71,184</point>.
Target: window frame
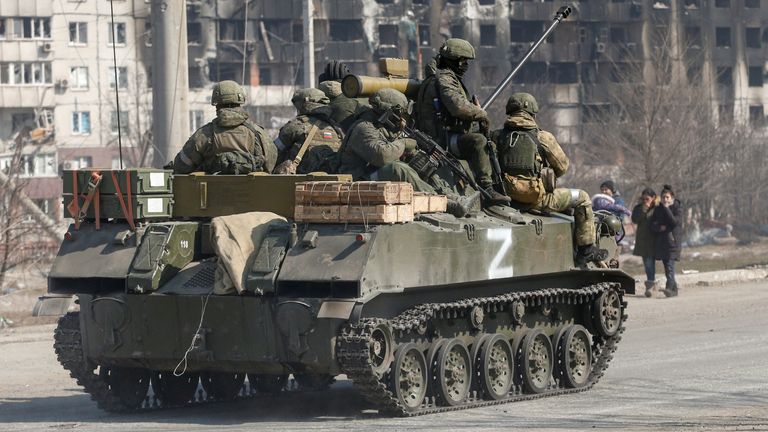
<point>80,33</point>
<point>80,116</point>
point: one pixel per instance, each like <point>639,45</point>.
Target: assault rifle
<point>395,120</point>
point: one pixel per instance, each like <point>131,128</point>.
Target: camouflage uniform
<point>312,107</point>
<point>550,154</point>
<point>229,144</point>
<point>443,110</point>
<point>343,109</point>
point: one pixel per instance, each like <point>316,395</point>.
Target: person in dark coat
<point>644,238</point>
<point>667,225</point>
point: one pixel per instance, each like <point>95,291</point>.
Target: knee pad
<point>579,198</point>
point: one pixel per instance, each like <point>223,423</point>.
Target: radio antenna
<point>117,84</point>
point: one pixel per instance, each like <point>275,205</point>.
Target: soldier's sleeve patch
<point>328,135</point>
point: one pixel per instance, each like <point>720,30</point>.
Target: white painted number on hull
<point>505,237</point>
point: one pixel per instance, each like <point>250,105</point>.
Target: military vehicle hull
<point>440,313</point>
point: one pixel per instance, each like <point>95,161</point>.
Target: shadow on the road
<point>343,403</point>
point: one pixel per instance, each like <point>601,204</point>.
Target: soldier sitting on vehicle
<point>443,110</point>
<point>343,108</point>
<point>310,141</point>
<point>531,160</point>
<point>372,151</point>
<point>229,144</point>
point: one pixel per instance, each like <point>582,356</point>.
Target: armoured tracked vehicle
<point>429,314</point>
<point>435,314</point>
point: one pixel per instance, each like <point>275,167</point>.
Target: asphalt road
<point>696,362</point>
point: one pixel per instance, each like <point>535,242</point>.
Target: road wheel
<point>496,367</point>
<point>574,356</point>
<point>535,361</point>
<point>606,313</point>
<point>453,373</point>
<point>408,378</point>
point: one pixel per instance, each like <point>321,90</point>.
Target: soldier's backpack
<point>232,162</point>
<point>521,161</point>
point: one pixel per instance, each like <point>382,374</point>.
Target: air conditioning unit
<point>47,47</point>
<point>62,83</point>
<point>69,165</point>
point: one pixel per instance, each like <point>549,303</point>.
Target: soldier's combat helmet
<point>455,49</point>
<point>388,98</point>
<point>227,93</point>
<point>522,102</point>
<point>309,99</point>
<point>331,88</point>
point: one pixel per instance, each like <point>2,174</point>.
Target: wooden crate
<point>319,192</point>
<point>429,203</point>
<point>377,192</point>
<point>317,213</point>
<point>381,213</point>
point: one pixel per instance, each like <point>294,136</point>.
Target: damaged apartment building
<point>57,78</point>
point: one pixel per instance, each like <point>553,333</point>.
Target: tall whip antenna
<point>117,84</point>
<point>245,38</point>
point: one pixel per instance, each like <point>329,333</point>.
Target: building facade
<point>58,80</point>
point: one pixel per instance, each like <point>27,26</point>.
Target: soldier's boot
<point>462,206</point>
<point>590,254</point>
<point>495,198</point>
<point>671,289</point>
<point>649,287</point>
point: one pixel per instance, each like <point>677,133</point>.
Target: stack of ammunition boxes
<point>359,202</point>
<point>147,193</point>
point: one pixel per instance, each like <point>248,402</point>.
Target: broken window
<point>231,30</point>
<point>297,32</point>
<point>725,76</point>
<point>756,115</point>
<point>345,30</point>
<point>723,37</point>
<point>457,30</point>
<point>755,76</point>
<point>488,35</point>
<point>591,113</point>
<point>388,34</point>
<point>533,72</point>
<point>753,37</point>
<point>693,37</point>
<point>694,73</point>
<point>752,4</point>
<point>265,76</point>
<point>194,33</point>
<point>618,35</point>
<point>722,3</point>
<point>488,76</point>
<point>562,73</point>
<point>525,31</point>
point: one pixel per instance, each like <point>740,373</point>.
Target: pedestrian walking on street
<point>667,225</point>
<point>644,238</point>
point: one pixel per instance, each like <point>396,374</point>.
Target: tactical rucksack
<point>233,162</point>
<point>519,153</point>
